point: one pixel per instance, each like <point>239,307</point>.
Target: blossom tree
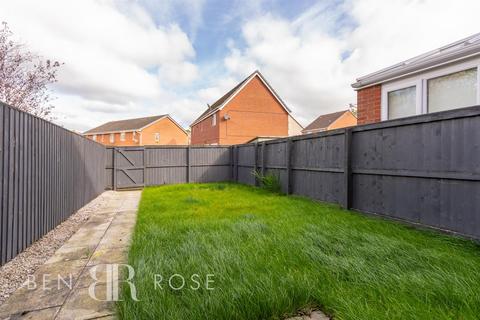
<point>25,77</point>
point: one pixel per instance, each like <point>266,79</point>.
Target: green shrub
<point>269,181</point>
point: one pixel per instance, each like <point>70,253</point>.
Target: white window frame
<point>94,137</point>
<point>420,81</point>
<point>214,120</point>
<point>156,136</point>
<point>112,137</point>
<point>122,136</point>
<point>386,89</point>
<point>134,136</point>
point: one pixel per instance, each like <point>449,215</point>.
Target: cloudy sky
<point>136,58</point>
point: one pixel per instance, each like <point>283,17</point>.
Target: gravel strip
<point>15,272</point>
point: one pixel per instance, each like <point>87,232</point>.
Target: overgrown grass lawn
<point>273,255</point>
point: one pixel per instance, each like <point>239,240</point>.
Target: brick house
<point>331,121</point>
<point>155,130</point>
<point>251,109</point>
<point>442,79</point>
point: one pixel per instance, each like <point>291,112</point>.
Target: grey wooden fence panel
<point>166,165</point>
<point>210,174</point>
<point>167,175</point>
<point>246,164</point>
<point>210,164</point>
<point>47,173</point>
<point>422,169</point>
<point>172,164</point>
<point>317,166</point>
<point>275,154</point>
<point>425,172</point>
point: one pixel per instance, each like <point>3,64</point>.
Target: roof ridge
<point>222,100</point>
<point>324,120</point>
<point>126,124</point>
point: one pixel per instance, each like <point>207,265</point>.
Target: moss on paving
<point>272,255</point>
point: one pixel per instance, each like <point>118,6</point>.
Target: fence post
<point>145,163</point>
<point>347,169</point>
<point>255,163</point>
<point>231,163</point>
<point>288,152</point>
<point>264,161</point>
<point>188,164</point>
<point>235,163</point>
<point>114,173</point>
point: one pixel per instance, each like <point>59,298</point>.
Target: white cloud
<point>111,55</point>
<point>120,62</point>
<point>303,60</point>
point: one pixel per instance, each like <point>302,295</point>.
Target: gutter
<point>393,73</point>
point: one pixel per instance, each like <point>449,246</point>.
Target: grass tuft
<point>269,181</point>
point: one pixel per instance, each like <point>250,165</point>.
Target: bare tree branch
<point>25,77</point>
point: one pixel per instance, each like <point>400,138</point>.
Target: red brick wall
<point>368,104</point>
<point>204,133</point>
<point>170,134</point>
<point>253,112</point>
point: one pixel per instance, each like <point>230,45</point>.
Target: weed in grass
<point>269,181</point>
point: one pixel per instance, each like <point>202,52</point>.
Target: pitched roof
<point>459,50</point>
<point>323,121</point>
<point>125,125</point>
<point>220,103</point>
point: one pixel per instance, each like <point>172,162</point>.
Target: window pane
<point>402,103</point>
<point>453,91</point>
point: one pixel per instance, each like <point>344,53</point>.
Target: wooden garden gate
<point>129,168</point>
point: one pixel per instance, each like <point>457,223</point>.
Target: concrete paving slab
<point>44,314</point>
<point>103,239</point>
<point>80,305</point>
<point>108,255</point>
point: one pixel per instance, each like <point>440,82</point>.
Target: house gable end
<point>255,96</point>
<point>224,100</point>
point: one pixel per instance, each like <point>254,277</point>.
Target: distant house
<point>331,121</point>
<point>442,79</point>
<point>250,109</point>
<point>155,130</point>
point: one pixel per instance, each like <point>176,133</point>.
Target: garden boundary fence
<point>422,169</point>
<point>137,167</point>
<point>47,173</point>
